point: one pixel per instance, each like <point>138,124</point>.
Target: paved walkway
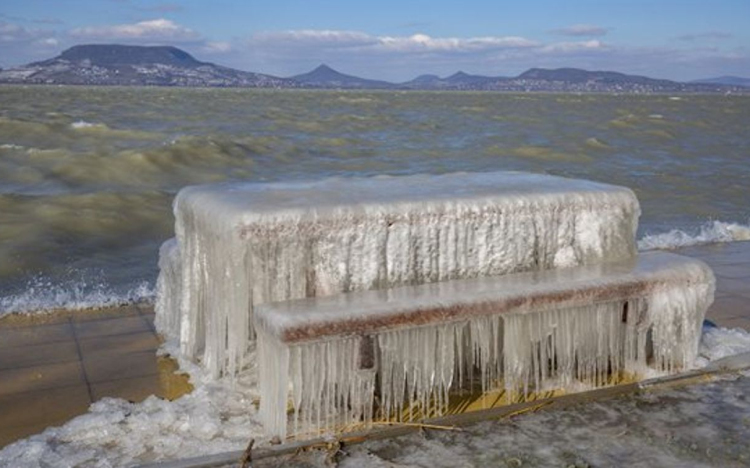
<point>53,366</point>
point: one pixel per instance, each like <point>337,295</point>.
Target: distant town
<point>125,65</point>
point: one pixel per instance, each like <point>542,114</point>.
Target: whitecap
<point>709,233</point>
<point>718,343</point>
<point>82,124</point>
<point>42,295</point>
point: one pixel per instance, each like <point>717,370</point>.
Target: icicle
<point>167,308</point>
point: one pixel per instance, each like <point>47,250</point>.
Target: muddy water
<point>87,175</point>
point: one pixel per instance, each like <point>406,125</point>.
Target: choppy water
<point>87,175</point>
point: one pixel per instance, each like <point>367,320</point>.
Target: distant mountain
<point>461,78</point>
<point>326,77</point>
<point>577,80</point>
<point>112,64</point>
<point>725,80</point>
<point>423,81</point>
<point>457,81</point>
<point>109,64</point>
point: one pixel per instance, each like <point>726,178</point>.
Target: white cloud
<point>22,44</point>
<point>11,32</point>
<point>48,42</point>
<point>573,47</point>
<point>582,30</point>
<point>322,40</point>
<point>425,43</point>
<point>152,30</point>
<point>216,47</point>
<point>314,38</point>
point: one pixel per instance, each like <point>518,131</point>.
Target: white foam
<point>82,125</point>
<point>709,233</point>
<point>717,343</point>
<point>42,295</point>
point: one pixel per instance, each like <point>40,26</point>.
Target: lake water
<point>87,175</point>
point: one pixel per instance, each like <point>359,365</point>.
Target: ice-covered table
<point>243,244</point>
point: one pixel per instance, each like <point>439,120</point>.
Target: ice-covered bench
<point>244,244</point>
<point>527,330</point>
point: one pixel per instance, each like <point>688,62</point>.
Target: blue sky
<point>397,40</point>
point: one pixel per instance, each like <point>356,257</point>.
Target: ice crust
<point>219,416</point>
<point>428,340</point>
<point>244,244</point>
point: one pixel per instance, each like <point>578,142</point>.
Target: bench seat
<point>331,356</point>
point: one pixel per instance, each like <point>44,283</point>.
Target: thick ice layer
<point>167,320</point>
<point>537,330</point>
<point>247,244</point>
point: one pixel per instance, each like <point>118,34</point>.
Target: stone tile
<point>146,308</point>
<point>10,434</point>
<point>118,344</point>
<point>736,322</point>
<point>743,293</point>
<point>134,389</point>
<point>730,305</point>
<point>32,335</point>
<point>112,326</point>
<point>47,376</point>
<point>106,313</point>
<point>43,406</point>
<point>732,271</point>
<point>733,286</point>
<point>106,366</point>
<point>149,319</point>
<point>27,356</point>
<point>716,255</point>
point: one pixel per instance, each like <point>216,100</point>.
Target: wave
<point>82,124</point>
<point>41,295</point>
<point>709,233</point>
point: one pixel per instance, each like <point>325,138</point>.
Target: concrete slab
<point>107,366</point>
<point>108,327</point>
<point>39,354</point>
<point>31,334</point>
<point>118,344</point>
<point>43,377</point>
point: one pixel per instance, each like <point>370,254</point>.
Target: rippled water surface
<point>87,175</point>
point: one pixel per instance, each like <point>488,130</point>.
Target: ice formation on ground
<point>591,322</point>
<point>247,244</point>
<point>219,415</point>
<point>699,426</point>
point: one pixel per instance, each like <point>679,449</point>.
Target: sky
<point>398,40</point>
